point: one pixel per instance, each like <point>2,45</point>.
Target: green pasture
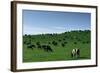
<point>73,39</point>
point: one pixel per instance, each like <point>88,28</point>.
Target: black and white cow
<point>75,53</point>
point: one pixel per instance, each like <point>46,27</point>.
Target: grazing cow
<point>75,53</point>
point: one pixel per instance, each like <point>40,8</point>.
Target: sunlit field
<point>56,47</point>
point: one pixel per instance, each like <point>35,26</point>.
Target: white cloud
<point>41,30</point>
<point>59,28</point>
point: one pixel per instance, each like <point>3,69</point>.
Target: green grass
<point>82,38</point>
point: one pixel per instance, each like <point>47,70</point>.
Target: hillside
<point>56,47</point>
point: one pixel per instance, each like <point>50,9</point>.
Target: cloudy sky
<point>38,22</point>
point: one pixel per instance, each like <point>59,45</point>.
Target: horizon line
<point>57,32</point>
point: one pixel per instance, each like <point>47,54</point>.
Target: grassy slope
<point>59,52</point>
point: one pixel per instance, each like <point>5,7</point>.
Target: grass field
<point>60,46</point>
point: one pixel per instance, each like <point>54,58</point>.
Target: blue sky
<point>41,22</point>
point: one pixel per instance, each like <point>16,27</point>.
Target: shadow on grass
<point>79,58</point>
<point>84,58</point>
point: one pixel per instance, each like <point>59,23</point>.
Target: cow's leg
<point>78,53</point>
<point>72,55</point>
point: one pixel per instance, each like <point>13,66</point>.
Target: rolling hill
<point>56,47</point>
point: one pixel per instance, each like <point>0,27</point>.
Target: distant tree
<point>39,46</point>
<point>63,45</point>
<point>24,41</point>
<point>37,43</point>
<point>65,42</point>
<point>83,42</point>
<point>64,39</point>
<point>25,34</point>
<point>43,46</point>
<point>75,42</point>
<point>47,48</point>
<point>49,42</point>
<point>87,42</point>
<point>87,30</point>
<point>54,43</point>
<point>80,31</point>
<point>31,46</point>
<point>66,36</point>
<point>59,40</point>
<point>29,36</point>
